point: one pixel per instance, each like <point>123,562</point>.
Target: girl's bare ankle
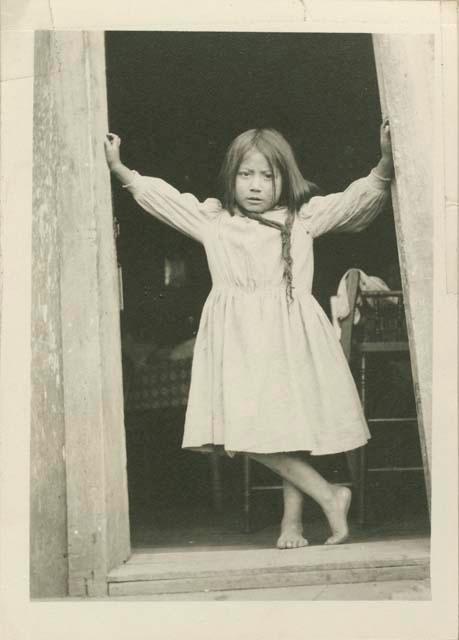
<point>291,523</point>
<point>329,501</point>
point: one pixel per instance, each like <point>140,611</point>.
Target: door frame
<point>398,59</point>
<point>72,220</point>
<point>78,339</point>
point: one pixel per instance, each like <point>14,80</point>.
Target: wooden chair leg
<point>246,494</point>
<point>362,464</point>
<point>362,485</point>
<point>217,493</point>
<point>355,462</point>
<point>352,459</point>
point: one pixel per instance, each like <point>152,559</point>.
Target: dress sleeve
<point>182,211</point>
<point>352,210</point>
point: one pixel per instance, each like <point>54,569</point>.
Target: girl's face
<point>257,189</point>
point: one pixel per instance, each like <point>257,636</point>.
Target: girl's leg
<point>291,535</point>
<point>334,500</point>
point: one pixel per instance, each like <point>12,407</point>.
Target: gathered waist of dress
<point>258,289</point>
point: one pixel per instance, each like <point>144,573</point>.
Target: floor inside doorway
<point>173,509</point>
<point>192,529</point>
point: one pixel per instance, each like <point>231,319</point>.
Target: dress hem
<point>220,448</point>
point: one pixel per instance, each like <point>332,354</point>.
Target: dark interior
<point>177,99</point>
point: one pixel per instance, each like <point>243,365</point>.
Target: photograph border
<point>288,620</point>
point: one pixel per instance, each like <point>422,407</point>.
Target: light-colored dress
<point>267,377</point>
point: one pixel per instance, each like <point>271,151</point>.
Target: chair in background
<point>383,332</point>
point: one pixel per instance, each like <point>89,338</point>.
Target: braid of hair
<point>286,238</point>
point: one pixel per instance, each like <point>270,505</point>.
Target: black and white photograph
<point>237,300</point>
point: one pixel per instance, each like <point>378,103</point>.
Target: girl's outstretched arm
<point>356,207</point>
<point>183,211</point>
<point>112,155</point>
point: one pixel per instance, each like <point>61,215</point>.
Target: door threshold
<point>202,571</point>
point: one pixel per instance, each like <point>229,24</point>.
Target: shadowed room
<point>177,100</point>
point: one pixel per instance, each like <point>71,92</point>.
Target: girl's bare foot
<point>337,515</point>
<point>291,536</point>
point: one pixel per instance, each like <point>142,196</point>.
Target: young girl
<point>269,377</point>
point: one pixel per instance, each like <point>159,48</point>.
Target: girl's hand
<point>112,150</point>
<point>385,140</point>
<point>112,155</point>
<point>385,167</point>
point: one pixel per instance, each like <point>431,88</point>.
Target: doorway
<point>177,100</point>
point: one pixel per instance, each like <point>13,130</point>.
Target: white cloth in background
<point>339,304</point>
<point>267,377</point>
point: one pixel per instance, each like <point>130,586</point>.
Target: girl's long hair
<point>296,190</point>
